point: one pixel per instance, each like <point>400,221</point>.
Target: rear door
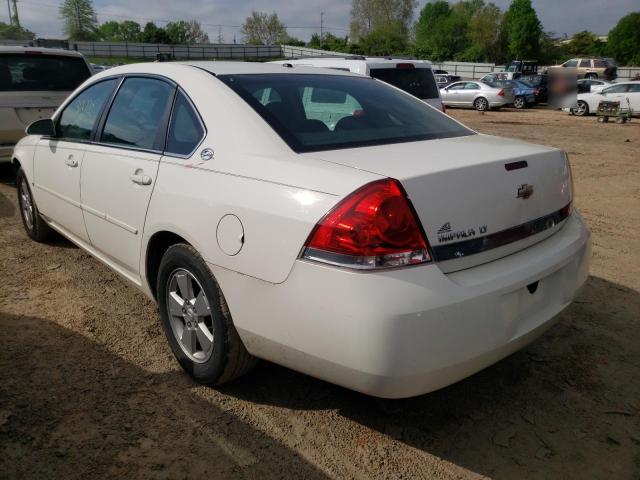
<point>119,170</point>
<point>32,86</point>
<point>58,160</point>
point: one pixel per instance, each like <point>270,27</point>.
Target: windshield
<point>36,72</point>
<point>419,82</point>
<point>313,112</point>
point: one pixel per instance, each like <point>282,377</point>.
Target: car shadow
<point>69,408</point>
<point>6,207</point>
<point>566,397</point>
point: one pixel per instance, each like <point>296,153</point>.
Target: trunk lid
<point>19,109</point>
<point>478,197</point>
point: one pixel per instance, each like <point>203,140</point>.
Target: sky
<point>302,18</point>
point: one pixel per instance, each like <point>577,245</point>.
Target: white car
<point>33,83</point>
<point>413,76</point>
<point>591,85</point>
<point>627,93</point>
<point>393,251</point>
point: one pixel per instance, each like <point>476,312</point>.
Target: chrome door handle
<point>71,162</point>
<point>140,179</point>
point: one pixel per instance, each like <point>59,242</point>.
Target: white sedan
<point>627,93</point>
<point>319,219</point>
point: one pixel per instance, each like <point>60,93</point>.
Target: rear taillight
<point>501,93</point>
<point>374,227</point>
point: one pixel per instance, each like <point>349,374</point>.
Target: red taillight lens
<point>501,93</point>
<point>374,227</point>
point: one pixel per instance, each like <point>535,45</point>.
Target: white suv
<point>413,76</point>
<point>33,83</point>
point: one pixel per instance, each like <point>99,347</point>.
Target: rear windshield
<point>327,112</point>
<point>35,72</point>
<point>419,82</point>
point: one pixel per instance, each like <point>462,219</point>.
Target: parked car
<point>478,95</point>
<point>517,68</point>
<point>602,68</point>
<point>444,80</point>
<point>413,76</point>
<point>33,83</point>
<point>524,93</point>
<point>540,83</point>
<point>587,103</point>
<point>393,252</point>
<point>586,85</point>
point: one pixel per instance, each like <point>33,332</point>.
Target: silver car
<point>477,95</point>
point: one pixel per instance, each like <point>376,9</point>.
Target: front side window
<point>634,87</point>
<point>457,86</point>
<point>471,86</point>
<point>185,128</point>
<point>325,112</point>
<point>137,115</point>
<point>29,72</point>
<point>570,63</point>
<point>80,115</point>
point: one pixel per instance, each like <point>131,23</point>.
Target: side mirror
<point>42,127</point>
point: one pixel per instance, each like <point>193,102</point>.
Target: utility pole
<point>15,19</point>
<point>321,27</point>
<point>10,16</point>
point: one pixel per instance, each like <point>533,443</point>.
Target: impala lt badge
<point>525,191</point>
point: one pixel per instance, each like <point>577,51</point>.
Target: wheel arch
<point>156,247</point>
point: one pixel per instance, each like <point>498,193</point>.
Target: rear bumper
<point>410,331</point>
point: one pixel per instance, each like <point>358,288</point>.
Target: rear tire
<point>481,104</point>
<point>36,228</point>
<point>519,102</point>
<point>196,319</point>
<point>581,109</point>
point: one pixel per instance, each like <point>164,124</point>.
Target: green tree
<point>154,34</point>
<point>392,16</point>
<point>484,35</point>
<point>261,28</point>
<point>14,32</point>
<point>623,43</point>
<point>127,31</point>
<point>177,32</point>
<point>441,32</point>
<point>80,21</point>
<point>385,40</point>
<point>523,29</point>
<point>585,43</point>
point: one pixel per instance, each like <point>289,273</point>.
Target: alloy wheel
<point>519,102</point>
<point>190,315</point>
<point>581,109</point>
<point>26,204</point>
<point>481,104</point>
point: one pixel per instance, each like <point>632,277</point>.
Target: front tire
<point>196,319</point>
<point>34,225</point>
<point>581,109</point>
<point>481,104</point>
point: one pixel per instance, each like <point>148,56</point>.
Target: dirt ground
<point>89,388</point>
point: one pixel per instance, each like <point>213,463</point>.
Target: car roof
<point>42,50</point>
<point>217,68</point>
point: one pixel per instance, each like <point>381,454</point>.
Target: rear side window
<point>599,64</point>
<point>185,129</point>
<point>137,117</point>
<point>326,112</point>
<point>419,82</point>
<point>585,63</point>
<point>36,72</point>
<point>79,117</point>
